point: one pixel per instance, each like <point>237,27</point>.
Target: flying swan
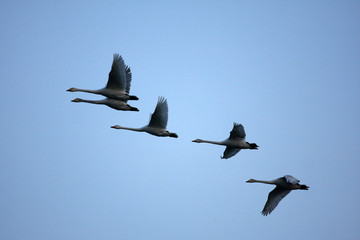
<point>158,121</point>
<point>118,85</point>
<point>115,104</point>
<point>234,143</point>
<point>284,185</point>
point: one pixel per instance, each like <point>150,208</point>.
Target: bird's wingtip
<point>264,213</point>
<point>134,109</point>
<point>131,97</point>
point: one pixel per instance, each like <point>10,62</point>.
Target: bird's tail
<point>174,135</point>
<point>253,146</point>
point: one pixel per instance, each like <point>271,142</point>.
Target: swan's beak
<point>113,126</point>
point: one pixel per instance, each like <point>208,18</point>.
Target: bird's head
<point>116,126</point>
<point>76,100</point>
<point>250,180</point>
<point>197,140</point>
<point>71,90</point>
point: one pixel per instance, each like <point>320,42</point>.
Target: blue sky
<point>287,70</point>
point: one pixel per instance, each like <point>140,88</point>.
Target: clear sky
<point>289,71</point>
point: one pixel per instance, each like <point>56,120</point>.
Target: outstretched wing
<point>117,75</point>
<point>275,196</point>
<point>229,152</point>
<point>160,116</point>
<point>237,132</point>
<point>290,179</point>
<point>128,79</point>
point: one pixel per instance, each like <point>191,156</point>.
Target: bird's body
<point>284,186</point>
<point>158,122</point>
<point>234,143</point>
<point>119,82</point>
<point>112,103</point>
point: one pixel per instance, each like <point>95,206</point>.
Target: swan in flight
<point>158,121</point>
<point>234,143</point>
<point>284,185</point>
<point>118,85</point>
<point>115,104</point>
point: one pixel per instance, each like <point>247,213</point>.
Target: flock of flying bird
<point>117,93</point>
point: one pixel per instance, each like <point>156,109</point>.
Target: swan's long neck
<point>92,101</point>
<point>263,181</point>
<point>85,90</point>
<point>212,142</point>
<point>130,129</point>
